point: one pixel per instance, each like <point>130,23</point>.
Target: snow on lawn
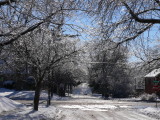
<point>44,113</point>
<point>12,110</point>
<point>27,95</point>
<point>5,92</point>
<point>8,104</point>
<point>21,95</point>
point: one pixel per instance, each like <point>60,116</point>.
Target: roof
<point>154,73</point>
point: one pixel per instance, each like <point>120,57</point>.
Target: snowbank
<point>151,111</point>
<point>22,112</point>
<point>44,113</point>
<point>8,104</point>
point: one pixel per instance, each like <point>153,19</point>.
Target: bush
<point>148,97</point>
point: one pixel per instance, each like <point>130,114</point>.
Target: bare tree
<point>126,20</point>
<point>41,51</point>
<point>18,17</point>
<point>109,72</point>
<point>149,55</point>
<point>22,22</point>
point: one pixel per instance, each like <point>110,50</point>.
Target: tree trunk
<point>37,95</point>
<point>49,97</point>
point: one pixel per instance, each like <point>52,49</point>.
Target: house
<point>152,82</point>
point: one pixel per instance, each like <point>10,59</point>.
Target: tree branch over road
<point>6,2</point>
<point>136,18</point>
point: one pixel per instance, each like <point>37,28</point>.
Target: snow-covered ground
<point>21,95</point>
<point>151,111</point>
<point>76,107</point>
<point>92,108</point>
<point>8,104</point>
<point>12,110</point>
<point>27,113</point>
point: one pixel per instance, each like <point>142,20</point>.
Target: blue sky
<point>85,22</point>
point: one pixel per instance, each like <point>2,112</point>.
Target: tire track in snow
<point>87,109</point>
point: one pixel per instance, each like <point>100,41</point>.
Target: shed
<point>152,79</point>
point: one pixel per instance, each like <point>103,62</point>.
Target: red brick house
<point>152,82</point>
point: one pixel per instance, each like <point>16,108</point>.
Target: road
<point>93,108</point>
